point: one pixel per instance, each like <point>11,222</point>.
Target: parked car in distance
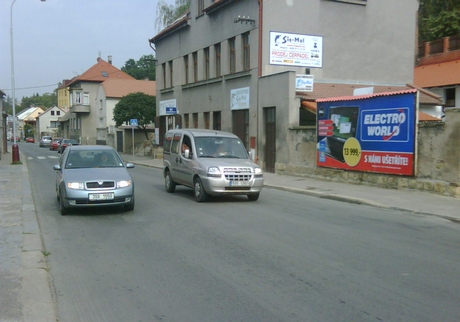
<point>65,143</point>
<point>45,141</point>
<point>83,179</point>
<point>18,139</point>
<point>54,145</point>
<point>30,139</point>
<point>211,163</point>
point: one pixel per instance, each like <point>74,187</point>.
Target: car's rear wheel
<point>200,194</point>
<point>62,208</point>
<point>253,196</point>
<point>170,185</point>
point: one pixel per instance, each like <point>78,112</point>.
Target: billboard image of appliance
<point>345,121</point>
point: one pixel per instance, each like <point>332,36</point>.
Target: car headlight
<point>214,172</point>
<point>123,183</point>
<point>75,185</point>
<point>257,171</point>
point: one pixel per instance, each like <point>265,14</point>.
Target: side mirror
<point>57,167</point>
<point>187,154</point>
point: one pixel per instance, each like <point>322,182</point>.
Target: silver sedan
<point>93,176</point>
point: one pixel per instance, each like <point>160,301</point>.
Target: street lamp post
<point>15,156</point>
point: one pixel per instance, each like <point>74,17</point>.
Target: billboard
<point>369,133</point>
<point>296,50</point>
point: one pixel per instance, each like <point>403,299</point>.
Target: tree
<point>167,14</point>
<point>144,68</point>
<point>46,100</point>
<point>438,19</point>
<point>138,106</point>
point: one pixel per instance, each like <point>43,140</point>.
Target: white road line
<point>41,158</point>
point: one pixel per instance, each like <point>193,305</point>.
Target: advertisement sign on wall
<point>304,83</point>
<point>239,98</point>
<point>296,50</point>
<point>370,133</point>
<point>168,107</point>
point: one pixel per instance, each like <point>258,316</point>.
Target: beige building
<point>236,65</point>
<point>81,122</point>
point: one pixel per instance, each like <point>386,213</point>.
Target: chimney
<point>110,59</point>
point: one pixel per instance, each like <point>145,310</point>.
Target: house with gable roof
<point>47,123</point>
<point>26,116</point>
<point>108,95</point>
<point>81,121</point>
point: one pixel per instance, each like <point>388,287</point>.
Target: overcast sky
<point>60,39</point>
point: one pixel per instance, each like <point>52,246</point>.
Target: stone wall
<point>437,162</point>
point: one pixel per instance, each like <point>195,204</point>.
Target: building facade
<point>81,122</point>
<point>234,65</point>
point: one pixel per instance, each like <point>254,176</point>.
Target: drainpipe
<point>259,74</point>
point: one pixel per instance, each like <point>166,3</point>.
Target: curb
<point>37,298</point>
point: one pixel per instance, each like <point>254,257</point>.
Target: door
<point>240,123</point>
<point>270,139</point>
<point>120,141</point>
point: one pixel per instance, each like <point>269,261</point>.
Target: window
<point>216,121</point>
<point>186,68</point>
<point>195,120</point>
<point>206,63</point>
<point>86,99</point>
<point>217,60</point>
<point>52,113</point>
<point>58,112</point>
<point>306,118</point>
<point>186,120</point>
<point>232,55</point>
<point>450,97</point>
<point>246,52</point>
<point>206,120</point>
<point>163,66</point>
<point>170,73</point>
<point>195,66</point>
<point>54,124</point>
<point>200,7</point>
<point>78,97</point>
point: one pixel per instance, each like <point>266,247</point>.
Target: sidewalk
<point>25,293</point>
<point>412,201</point>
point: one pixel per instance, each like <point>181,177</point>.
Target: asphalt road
<point>286,257</point>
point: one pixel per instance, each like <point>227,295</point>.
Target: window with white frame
<point>86,98</point>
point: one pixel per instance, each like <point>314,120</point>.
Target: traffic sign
<point>133,122</point>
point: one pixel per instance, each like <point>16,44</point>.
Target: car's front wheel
<point>253,196</point>
<point>170,185</point>
<point>62,208</point>
<point>200,194</point>
<point>130,206</point>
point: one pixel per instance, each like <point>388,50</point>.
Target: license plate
<point>101,196</point>
<point>239,183</point>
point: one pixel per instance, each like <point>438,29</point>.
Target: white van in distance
<point>211,163</point>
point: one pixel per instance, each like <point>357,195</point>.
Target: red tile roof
<point>329,90</point>
<point>100,72</point>
<point>440,74</point>
<point>117,88</point>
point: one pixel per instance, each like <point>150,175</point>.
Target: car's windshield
<point>93,159</point>
<point>220,147</point>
